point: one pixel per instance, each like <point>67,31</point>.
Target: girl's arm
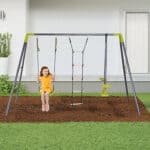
<point>53,77</point>
<point>38,79</point>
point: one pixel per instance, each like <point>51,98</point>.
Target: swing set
<point>124,60</point>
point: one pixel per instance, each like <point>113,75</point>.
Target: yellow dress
<point>46,84</point>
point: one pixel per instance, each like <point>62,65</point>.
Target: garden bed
<point>114,108</point>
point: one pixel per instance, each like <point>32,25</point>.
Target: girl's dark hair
<point>44,67</point>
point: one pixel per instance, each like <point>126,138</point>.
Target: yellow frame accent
<point>27,37</point>
<point>121,39</point>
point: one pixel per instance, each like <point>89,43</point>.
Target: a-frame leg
<point>16,76</point>
<point>131,78</point>
<point>124,71</point>
<point>21,71</point>
<point>72,70</point>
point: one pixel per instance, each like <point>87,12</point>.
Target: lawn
<point>77,136</point>
<point>145,98</point>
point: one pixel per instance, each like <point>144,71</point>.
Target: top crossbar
<point>74,34</point>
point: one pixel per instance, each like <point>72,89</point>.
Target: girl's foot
<point>47,107</point>
<point>43,107</point>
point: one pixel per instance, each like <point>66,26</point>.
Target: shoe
<point>43,108</point>
<point>47,107</point>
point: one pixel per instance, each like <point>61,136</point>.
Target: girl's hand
<point>38,79</point>
<point>53,77</point>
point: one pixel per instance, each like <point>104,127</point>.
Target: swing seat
<point>76,104</point>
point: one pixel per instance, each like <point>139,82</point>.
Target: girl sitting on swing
<point>46,79</point>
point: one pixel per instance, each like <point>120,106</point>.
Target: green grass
<point>75,136</point>
<point>145,98</point>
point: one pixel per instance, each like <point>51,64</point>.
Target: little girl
<point>46,79</point>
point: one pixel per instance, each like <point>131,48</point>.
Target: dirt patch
<point>28,109</point>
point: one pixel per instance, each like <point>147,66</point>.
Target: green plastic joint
<point>121,39</point>
<point>104,92</point>
<point>27,37</point>
<point>101,79</point>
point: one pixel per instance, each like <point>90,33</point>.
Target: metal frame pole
<point>124,72</point>
<point>105,60</point>
<point>72,69</point>
<point>20,77</point>
<point>83,68</point>
<point>38,66</point>
<point>73,34</point>
<point>16,76</point>
<point>55,60</point>
<point>131,79</point>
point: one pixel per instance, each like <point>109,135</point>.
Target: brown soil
<point>28,109</point>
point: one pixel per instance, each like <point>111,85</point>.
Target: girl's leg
<point>43,101</point>
<point>47,101</point>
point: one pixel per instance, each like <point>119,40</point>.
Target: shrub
<point>6,85</point>
<point>5,44</point>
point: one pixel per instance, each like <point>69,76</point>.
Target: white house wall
<point>106,16</point>
<point>82,16</point>
<point>15,23</point>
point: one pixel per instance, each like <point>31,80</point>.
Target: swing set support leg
<point>82,78</point>
<point>22,55</point>
<point>20,77</point>
<point>72,89</point>
<point>131,79</point>
<point>124,72</point>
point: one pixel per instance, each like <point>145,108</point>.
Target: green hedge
<point>6,85</point>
